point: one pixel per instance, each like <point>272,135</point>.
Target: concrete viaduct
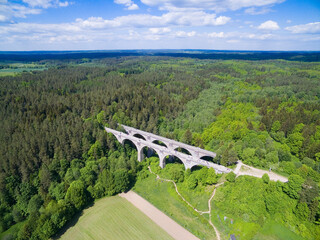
<point>142,139</point>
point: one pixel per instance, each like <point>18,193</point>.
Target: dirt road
<point>166,223</point>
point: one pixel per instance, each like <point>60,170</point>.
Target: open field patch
<point>114,218</point>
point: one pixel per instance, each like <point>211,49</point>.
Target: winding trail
<point>198,211</point>
<point>209,204</point>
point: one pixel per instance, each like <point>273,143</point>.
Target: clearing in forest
<point>114,218</point>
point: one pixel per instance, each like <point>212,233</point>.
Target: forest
<point>56,158</point>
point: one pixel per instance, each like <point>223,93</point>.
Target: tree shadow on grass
<point>71,223</point>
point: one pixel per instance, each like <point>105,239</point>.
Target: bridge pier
<point>162,163</point>
<point>162,159</point>
<point>140,154</point>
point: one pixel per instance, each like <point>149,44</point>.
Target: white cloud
<point>128,3</point>
<point>259,36</point>
<point>257,11</point>
<point>159,30</point>
<point>185,34</point>
<point>64,4</point>
<point>305,28</point>
<point>217,35</point>
<point>240,35</point>
<point>216,5</point>
<point>156,24</point>
<point>38,3</point>
<point>3,18</point>
<point>46,3</point>
<point>198,18</point>
<point>133,7</point>
<point>269,25</point>
<point>9,10</point>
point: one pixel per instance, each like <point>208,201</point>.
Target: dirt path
<point>165,222</point>
<point>209,205</point>
<point>198,211</point>
<point>243,169</point>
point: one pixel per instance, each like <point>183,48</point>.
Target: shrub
<point>231,177</point>
<point>265,178</point>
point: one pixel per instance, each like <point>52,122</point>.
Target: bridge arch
<point>209,159</point>
<point>160,143</point>
<point>158,152</point>
<point>196,167</point>
<point>136,145</point>
<point>137,135</point>
<point>149,151</point>
<point>183,150</point>
<point>173,159</point>
<point>130,142</point>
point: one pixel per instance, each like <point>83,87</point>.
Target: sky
<point>159,24</point>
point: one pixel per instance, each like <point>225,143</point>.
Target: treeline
<point>55,157</point>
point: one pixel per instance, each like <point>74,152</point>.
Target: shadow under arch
<point>137,135</point>
<point>183,150</point>
<point>171,159</point>
<point>160,143</point>
<point>196,168</point>
<point>127,142</point>
<point>150,152</point>
<point>209,159</point>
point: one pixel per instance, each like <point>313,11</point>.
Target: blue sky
<point>159,24</point>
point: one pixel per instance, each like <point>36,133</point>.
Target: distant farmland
<point>114,218</point>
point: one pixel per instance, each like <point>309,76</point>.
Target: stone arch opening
<point>196,168</point>
<point>159,143</point>
<point>209,159</point>
<point>171,159</point>
<point>183,150</point>
<point>129,145</point>
<point>149,152</point>
<point>137,135</point>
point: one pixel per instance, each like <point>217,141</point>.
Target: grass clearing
<point>3,74</point>
<point>114,218</point>
<point>274,231</point>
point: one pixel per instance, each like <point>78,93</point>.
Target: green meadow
<point>114,218</point>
